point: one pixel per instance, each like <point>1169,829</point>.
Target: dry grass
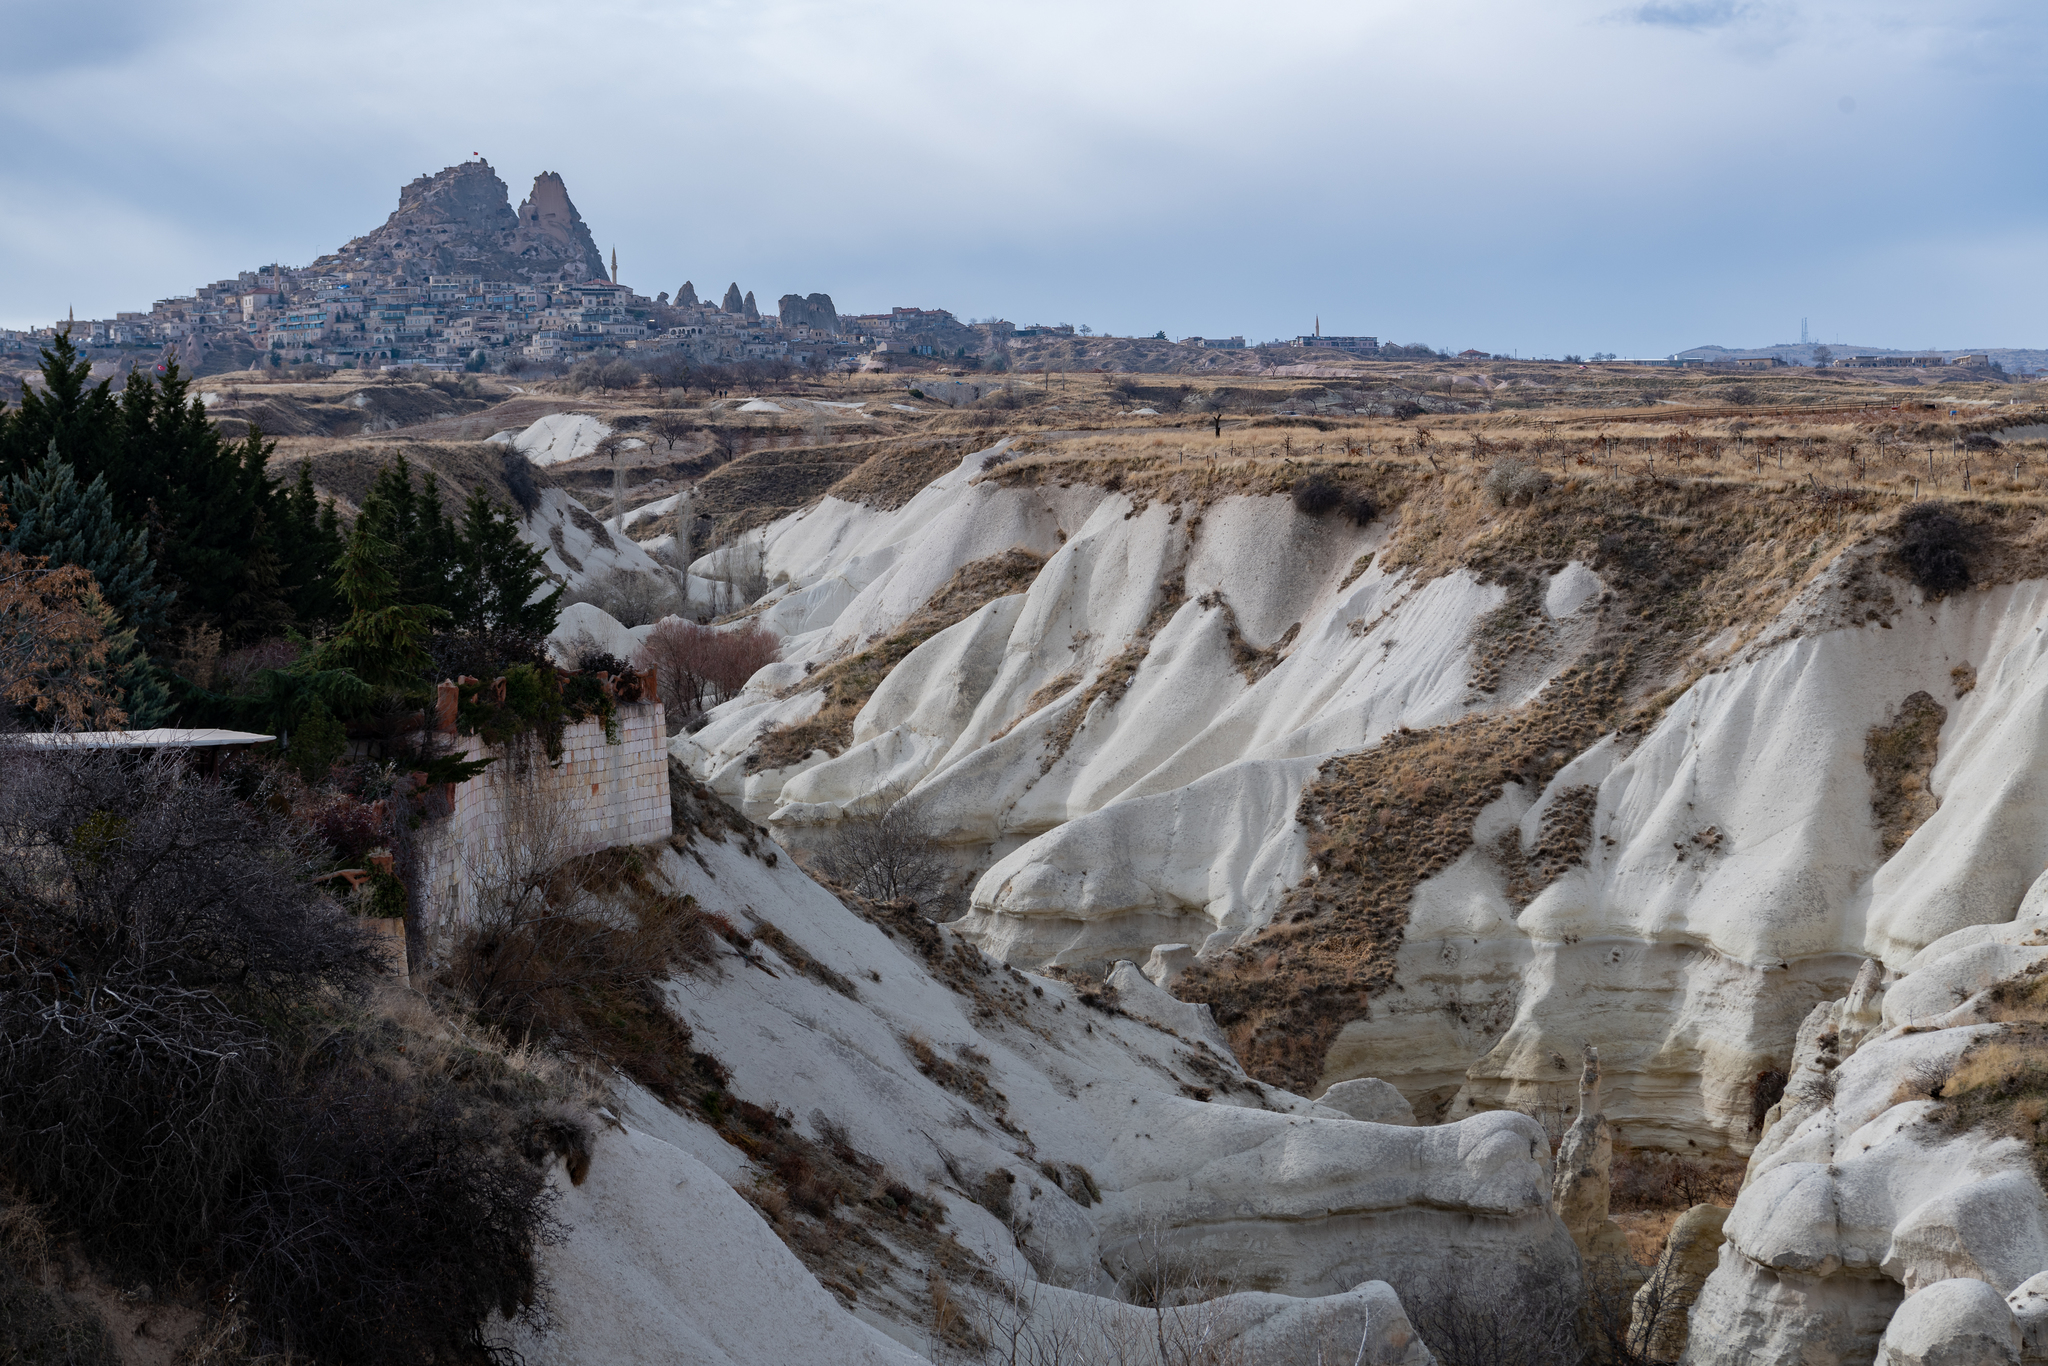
<point>1380,820</point>
<point>1899,756</point>
<point>898,470</point>
<point>1684,560</point>
<point>2000,1084</point>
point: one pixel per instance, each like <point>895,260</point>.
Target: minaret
<point>1319,324</point>
<point>615,265</point>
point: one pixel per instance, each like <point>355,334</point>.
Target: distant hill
<point>2016,360</point>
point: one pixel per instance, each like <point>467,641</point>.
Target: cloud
<point>1687,14</point>
<point>1535,177</point>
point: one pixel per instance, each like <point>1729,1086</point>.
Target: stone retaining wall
<point>599,796</point>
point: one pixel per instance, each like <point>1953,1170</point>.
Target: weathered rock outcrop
<point>1662,1308</point>
<point>1117,1147</point>
<point>1121,753</point>
<point>733,302</point>
<point>815,312</point>
<point>686,297</point>
<point>1583,1183</point>
<point>461,221</point>
<point>1899,1163</point>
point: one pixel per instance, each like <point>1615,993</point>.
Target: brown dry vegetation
<point>848,683</point>
<point>1683,560</point>
<point>1899,757</point>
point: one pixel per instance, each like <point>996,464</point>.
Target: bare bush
<point>1317,494</point>
<point>701,666</point>
<point>738,570</point>
<point>888,853</point>
<point>520,482</point>
<point>1528,1322</point>
<point>187,1085</point>
<point>1510,482</point>
<point>631,597</point>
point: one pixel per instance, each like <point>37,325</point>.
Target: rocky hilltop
<point>461,221</point>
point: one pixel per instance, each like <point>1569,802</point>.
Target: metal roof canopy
<point>160,738</point>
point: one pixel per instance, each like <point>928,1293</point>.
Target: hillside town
<point>457,279</point>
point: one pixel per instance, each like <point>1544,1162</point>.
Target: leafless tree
<point>699,667</point>
<point>670,426</point>
<point>887,852</point>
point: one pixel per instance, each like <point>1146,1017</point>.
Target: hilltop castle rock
<point>461,221</point>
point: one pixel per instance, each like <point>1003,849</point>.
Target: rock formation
<point>1369,1099</point>
<point>551,229</point>
<point>1952,1323</point>
<point>460,221</point>
<point>1072,1144</point>
<point>815,312</point>
<point>686,297</point>
<point>1897,1164</point>
<point>1122,745</point>
<point>1663,1305</point>
<point>753,314</point>
<point>733,302</point>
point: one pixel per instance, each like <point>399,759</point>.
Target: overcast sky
<point>1539,177</point>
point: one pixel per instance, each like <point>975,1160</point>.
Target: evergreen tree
<point>206,501</point>
<point>383,641</point>
<point>310,538</point>
<point>145,693</point>
<point>80,416</point>
<point>66,525</point>
<point>241,555</point>
<point>497,574</point>
<point>420,536</point>
<point>57,519</point>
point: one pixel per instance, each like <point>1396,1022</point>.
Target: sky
<point>1535,178</point>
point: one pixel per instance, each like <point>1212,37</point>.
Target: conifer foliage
<point>179,535</point>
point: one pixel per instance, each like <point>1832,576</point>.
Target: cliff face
<point>1439,799</point>
<point>461,221</point>
<point>550,229</point>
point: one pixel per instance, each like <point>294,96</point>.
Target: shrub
<point>1510,482</point>
<point>186,1087</point>
<point>520,483</point>
<point>699,667</point>
<point>1768,1090</point>
<point>1316,495</point>
<point>1361,507</point>
<point>631,597</point>
<point>1980,441</point>
<point>1935,546</point>
<point>319,741</point>
<point>892,854</point>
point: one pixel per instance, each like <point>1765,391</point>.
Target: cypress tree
<point>80,416</point>
<point>497,574</point>
<point>383,641</point>
<point>419,537</point>
<point>310,538</point>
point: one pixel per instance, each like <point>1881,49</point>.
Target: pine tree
<point>498,574</point>
<point>54,517</point>
<point>80,416</point>
<point>383,641</point>
<point>310,539</point>
<point>421,537</point>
